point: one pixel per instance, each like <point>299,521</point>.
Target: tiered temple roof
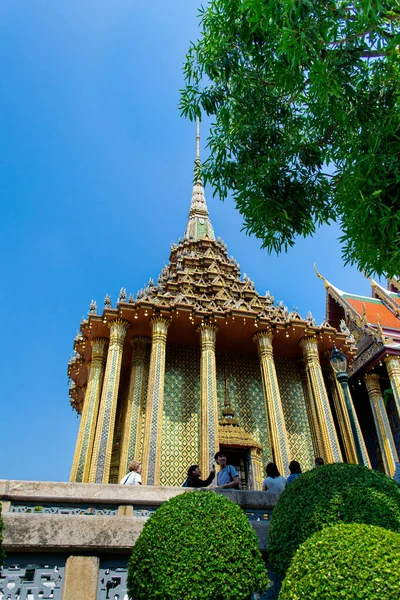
<point>373,321</point>
<point>201,283</point>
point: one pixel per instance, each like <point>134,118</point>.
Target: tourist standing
<point>274,481</point>
<point>295,471</point>
<point>193,478</point>
<point>319,462</point>
<point>227,477</point>
<point>133,477</point>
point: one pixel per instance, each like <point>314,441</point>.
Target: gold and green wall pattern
<point>242,372</point>
<point>180,436</point>
<point>295,412</point>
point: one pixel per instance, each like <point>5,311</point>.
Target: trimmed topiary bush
<point>347,562</point>
<point>197,546</point>
<point>325,496</point>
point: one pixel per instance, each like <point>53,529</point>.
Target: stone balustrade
<point>86,526</point>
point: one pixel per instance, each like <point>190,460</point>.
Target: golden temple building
<point>199,361</point>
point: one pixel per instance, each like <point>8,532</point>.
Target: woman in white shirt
<point>274,482</point>
<point>133,477</point>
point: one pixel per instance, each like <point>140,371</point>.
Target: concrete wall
<point>86,522</point>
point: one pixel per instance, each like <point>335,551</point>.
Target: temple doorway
<point>240,459</point>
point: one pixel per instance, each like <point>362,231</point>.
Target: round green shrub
<point>347,562</point>
<point>197,546</point>
<point>325,496</point>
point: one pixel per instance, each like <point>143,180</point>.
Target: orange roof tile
<point>374,309</point>
<point>395,297</point>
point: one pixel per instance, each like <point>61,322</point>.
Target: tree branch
<point>352,37</point>
<point>327,135</point>
<point>373,54</point>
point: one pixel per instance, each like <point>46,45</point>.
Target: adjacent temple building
<point>199,362</point>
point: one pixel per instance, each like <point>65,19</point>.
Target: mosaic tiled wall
<point>242,371</point>
<point>121,410</point>
<point>180,438</point>
<point>295,413</point>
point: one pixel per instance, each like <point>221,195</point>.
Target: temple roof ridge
<point>328,285</point>
<point>199,224</point>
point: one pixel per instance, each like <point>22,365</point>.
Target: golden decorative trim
<point>209,434</point>
<point>385,436</point>
<point>344,422</point>
<point>155,402</point>
<point>103,442</point>
<point>324,427</point>
<point>326,282</point>
<point>87,425</point>
<point>272,399</point>
<point>231,435</point>
<point>392,363</point>
<point>133,415</point>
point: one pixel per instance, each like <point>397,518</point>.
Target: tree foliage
<point>197,546</point>
<point>305,95</point>
<point>325,496</point>
<point>347,562</point>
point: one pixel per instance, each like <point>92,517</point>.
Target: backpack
<point>229,471</point>
<point>185,484</point>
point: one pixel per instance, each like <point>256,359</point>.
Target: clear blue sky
<point>95,182</point>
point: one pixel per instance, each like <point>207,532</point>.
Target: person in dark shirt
<point>194,474</point>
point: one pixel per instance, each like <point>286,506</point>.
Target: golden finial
<point>372,280</point>
<point>364,313</point>
<point>326,282</point>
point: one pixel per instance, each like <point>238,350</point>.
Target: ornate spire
<point>228,413</point>
<point>199,224</point>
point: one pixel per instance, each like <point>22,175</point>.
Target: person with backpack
<point>227,476</point>
<point>193,478</point>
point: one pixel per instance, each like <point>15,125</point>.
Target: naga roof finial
<point>326,282</point>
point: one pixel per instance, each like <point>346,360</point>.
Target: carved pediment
<point>223,295</point>
<point>218,280</point>
<point>213,268</point>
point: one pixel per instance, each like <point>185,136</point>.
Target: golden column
<point>393,369</point>
<point>209,433</point>
<point>385,436</point>
<point>273,403</point>
<point>132,427</point>
<point>324,427</point>
<point>84,445</point>
<point>103,443</point>
<point>318,446</point>
<point>155,402</point>
<point>344,422</point>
